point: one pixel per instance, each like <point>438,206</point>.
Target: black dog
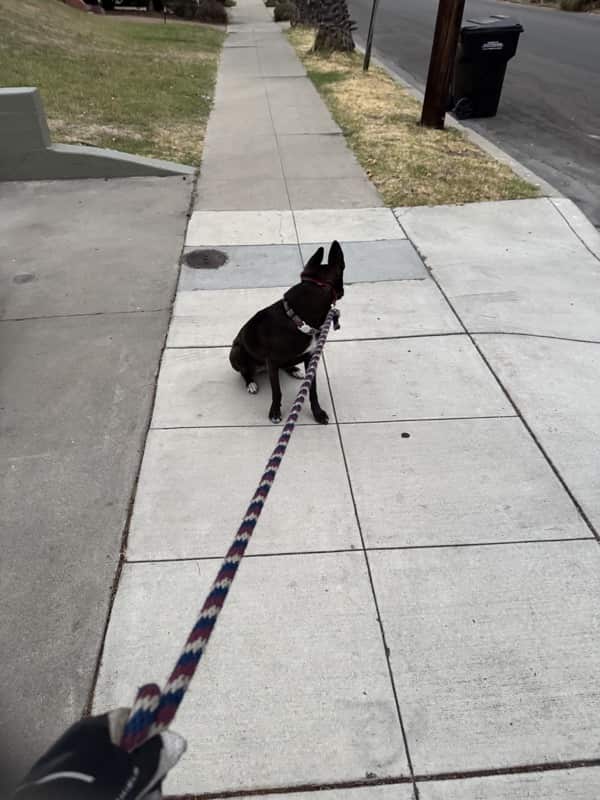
<point>285,334</point>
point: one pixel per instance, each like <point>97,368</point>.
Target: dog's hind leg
<point>321,416</point>
<point>243,363</point>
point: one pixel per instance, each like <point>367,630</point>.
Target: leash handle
<point>154,709</point>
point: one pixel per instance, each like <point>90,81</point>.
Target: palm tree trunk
<point>334,27</point>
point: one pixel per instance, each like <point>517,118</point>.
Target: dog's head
<point>330,274</point>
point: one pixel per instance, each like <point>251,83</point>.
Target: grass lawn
<point>140,87</point>
<point>410,165</point>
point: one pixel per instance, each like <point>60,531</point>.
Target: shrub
<point>202,10</point>
<point>182,8</point>
<point>212,11</point>
<point>284,10</point>
<point>575,5</point>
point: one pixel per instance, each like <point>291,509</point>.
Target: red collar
<point>322,284</point>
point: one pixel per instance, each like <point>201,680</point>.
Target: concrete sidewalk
<point>418,612</point>
<point>421,597</point>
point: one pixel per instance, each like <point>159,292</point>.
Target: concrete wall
<point>27,152</point>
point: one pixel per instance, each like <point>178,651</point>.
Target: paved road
<point>549,117</point>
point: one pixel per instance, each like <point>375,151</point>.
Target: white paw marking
<point>252,388</point>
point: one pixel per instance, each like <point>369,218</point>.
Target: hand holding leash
<point>87,763</point>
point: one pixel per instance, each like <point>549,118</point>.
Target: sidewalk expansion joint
<point>86,314</point>
<point>535,336</point>
<point>521,769</point>
<point>384,643</point>
<point>368,549</point>
<point>349,422</point>
<point>337,341</point>
<point>583,242</point>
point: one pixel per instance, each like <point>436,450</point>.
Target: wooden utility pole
<point>367,58</point>
<point>441,65</point>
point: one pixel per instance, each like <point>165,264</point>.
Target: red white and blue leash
<point>154,709</point>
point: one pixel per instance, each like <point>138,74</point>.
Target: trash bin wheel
<point>463,108</point>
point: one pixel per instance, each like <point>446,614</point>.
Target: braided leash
<point>153,710</point>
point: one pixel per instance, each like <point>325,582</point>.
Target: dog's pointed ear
<point>336,256</point>
<point>315,261</point>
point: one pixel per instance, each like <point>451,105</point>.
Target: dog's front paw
<point>275,415</point>
<point>252,387</point>
<point>295,373</point>
<point>321,416</point>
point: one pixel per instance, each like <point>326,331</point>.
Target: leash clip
<point>336,319</point>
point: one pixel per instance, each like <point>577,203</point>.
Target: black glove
<point>87,764</point>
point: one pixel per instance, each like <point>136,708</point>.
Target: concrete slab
<point>541,301</point>
<point>498,233</point>
<point>347,225</point>
<point>251,157</point>
<point>318,156</point>
<point>339,192</point>
<point>198,388</point>
<point>576,784</point>
<point>236,90</point>
<point>339,726</point>
<point>372,310</point>
<point>556,386</point>
<point>391,260</point>
<point>174,519</point>
<point>198,318</point>
<point>299,120</point>
<point>502,266</point>
<point>422,378</point>
<point>273,265</point>
<point>239,61</point>
<point>233,91</point>
<point>71,247</point>
<point>239,38</point>
<point>281,265</point>
<point>491,650</point>
<point>280,60</point>
<point>226,116</point>
<point>455,482</point>
<point>215,194</point>
<point>76,395</point>
<point>287,93</point>
<point>394,308</point>
<point>396,791</point>
<point>579,223</point>
<point>207,228</point>
<point>223,140</point>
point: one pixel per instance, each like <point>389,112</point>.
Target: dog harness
<point>302,326</point>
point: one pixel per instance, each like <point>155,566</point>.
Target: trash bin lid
<point>495,23</point>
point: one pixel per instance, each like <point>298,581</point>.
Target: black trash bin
<point>486,46</point>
